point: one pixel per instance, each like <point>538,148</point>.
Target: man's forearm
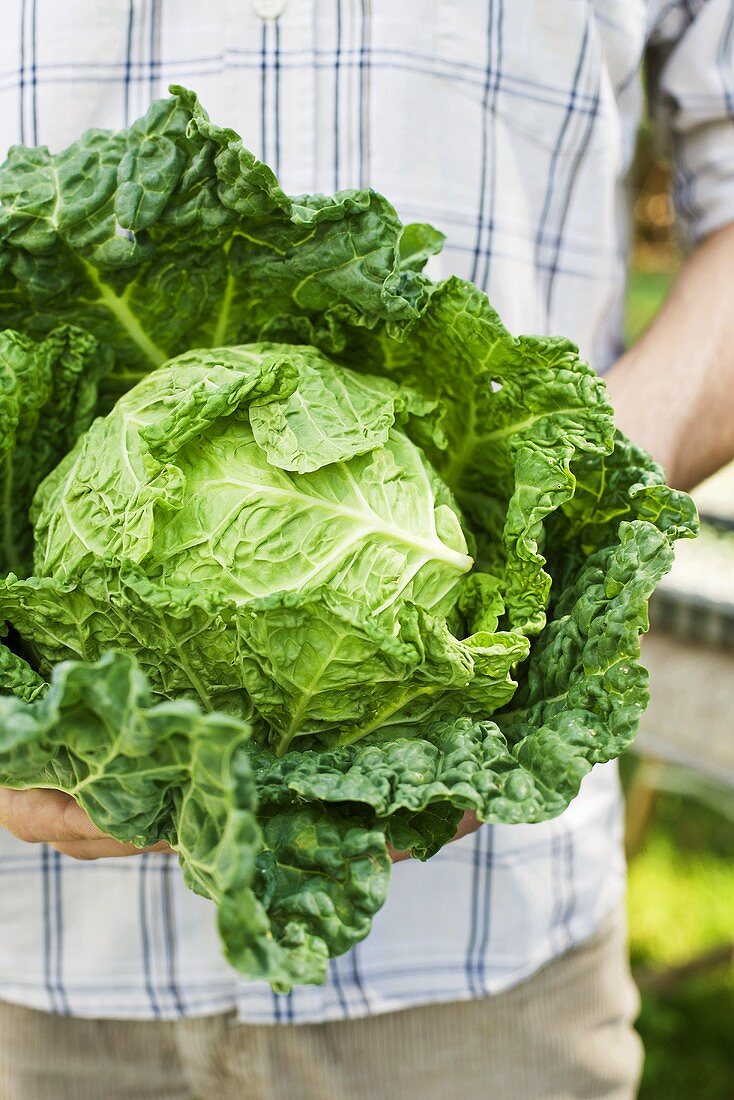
<point>673,392</point>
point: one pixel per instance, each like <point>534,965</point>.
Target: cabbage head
<point>302,554</point>
<point>255,527</point>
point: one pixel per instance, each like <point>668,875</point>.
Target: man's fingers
<point>40,815</point>
<point>74,823</point>
<point>105,849</point>
<point>396,856</point>
<point>468,824</point>
<point>95,849</point>
<point>51,817</point>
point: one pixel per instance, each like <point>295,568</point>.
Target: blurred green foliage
<point>646,291</point>
<point>681,904</point>
<point>688,1042</point>
<point>693,900</point>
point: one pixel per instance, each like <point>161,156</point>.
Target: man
<point>511,126</point>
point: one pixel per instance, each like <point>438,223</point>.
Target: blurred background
<point>679,779</point>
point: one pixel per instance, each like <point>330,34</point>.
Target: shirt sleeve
<point>690,70</point>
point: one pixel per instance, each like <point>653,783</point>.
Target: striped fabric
<point>509,124</point>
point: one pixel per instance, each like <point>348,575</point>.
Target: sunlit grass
<point>646,291</point>
<point>681,903</point>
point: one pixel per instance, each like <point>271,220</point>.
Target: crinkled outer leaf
<point>144,772</point>
<point>147,771</point>
<point>516,412</point>
<point>18,678</point>
<point>97,733</point>
<point>48,392</point>
<point>171,235</point>
<point>583,689</point>
<point>625,484</point>
<point>321,878</point>
<point>461,761</point>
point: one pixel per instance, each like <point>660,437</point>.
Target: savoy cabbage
<point>339,557</point>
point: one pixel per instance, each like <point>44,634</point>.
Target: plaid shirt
<point>510,124</point>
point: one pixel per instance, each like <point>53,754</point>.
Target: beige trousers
<point>564,1034</point>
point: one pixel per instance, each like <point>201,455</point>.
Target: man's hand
<point>468,824</point>
<point>52,817</point>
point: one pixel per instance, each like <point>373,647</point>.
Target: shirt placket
<point>289,89</point>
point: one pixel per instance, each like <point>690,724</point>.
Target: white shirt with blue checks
<point>509,124</point>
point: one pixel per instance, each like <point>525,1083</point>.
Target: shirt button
<point>268,9</point>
